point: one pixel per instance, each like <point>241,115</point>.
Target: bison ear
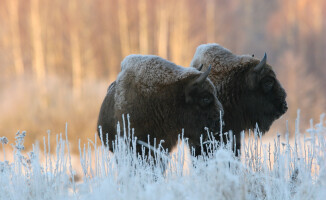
<point>193,85</point>
<point>261,64</point>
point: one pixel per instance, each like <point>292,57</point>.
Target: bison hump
<point>152,71</point>
<point>217,56</point>
<point>146,75</point>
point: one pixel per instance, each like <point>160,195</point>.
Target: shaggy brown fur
<point>249,94</point>
<point>161,98</point>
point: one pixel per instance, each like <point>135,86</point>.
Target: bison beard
<point>162,99</point>
<point>247,88</point>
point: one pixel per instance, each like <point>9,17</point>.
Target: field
<point>280,169</point>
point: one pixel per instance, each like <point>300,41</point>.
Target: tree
<point>38,56</point>
<point>75,50</point>
<point>15,36</point>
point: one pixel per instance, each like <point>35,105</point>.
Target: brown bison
<point>247,88</point>
<point>162,99</point>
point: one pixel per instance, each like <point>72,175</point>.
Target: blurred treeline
<point>58,57</point>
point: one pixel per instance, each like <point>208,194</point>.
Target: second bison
<point>247,88</point>
<point>162,99</point>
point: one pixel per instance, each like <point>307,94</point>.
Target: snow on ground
<point>276,170</point>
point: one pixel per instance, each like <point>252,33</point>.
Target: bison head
<point>199,106</point>
<point>264,98</point>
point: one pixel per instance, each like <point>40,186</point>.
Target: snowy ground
<point>279,170</point>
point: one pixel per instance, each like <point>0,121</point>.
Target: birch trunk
<point>210,22</point>
<point>123,28</point>
<point>143,27</point>
<point>163,31</point>
<point>75,51</point>
<point>179,42</point>
<point>15,37</point>
<point>38,57</point>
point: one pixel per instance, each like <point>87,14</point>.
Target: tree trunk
<point>179,42</point>
<point>75,51</point>
<point>123,28</point>
<point>143,27</point>
<point>15,36</point>
<point>38,60</point>
<point>210,22</point>
<point>163,30</point>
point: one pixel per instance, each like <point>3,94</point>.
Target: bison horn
<point>200,67</point>
<point>203,76</point>
<point>193,84</point>
<point>261,64</point>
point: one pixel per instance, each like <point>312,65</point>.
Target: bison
<point>247,88</point>
<point>161,99</point>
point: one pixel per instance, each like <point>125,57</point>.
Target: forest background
<point>57,58</point>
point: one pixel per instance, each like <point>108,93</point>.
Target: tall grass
<point>281,169</point>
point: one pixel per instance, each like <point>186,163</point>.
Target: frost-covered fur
<point>161,98</point>
<point>148,73</point>
<point>242,89</point>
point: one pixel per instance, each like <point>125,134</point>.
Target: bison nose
<point>284,106</point>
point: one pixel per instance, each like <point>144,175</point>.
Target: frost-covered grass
<point>279,170</point>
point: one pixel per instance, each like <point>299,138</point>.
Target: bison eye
<point>268,84</point>
<point>205,100</point>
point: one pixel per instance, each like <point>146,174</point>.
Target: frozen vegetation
<point>279,170</point>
